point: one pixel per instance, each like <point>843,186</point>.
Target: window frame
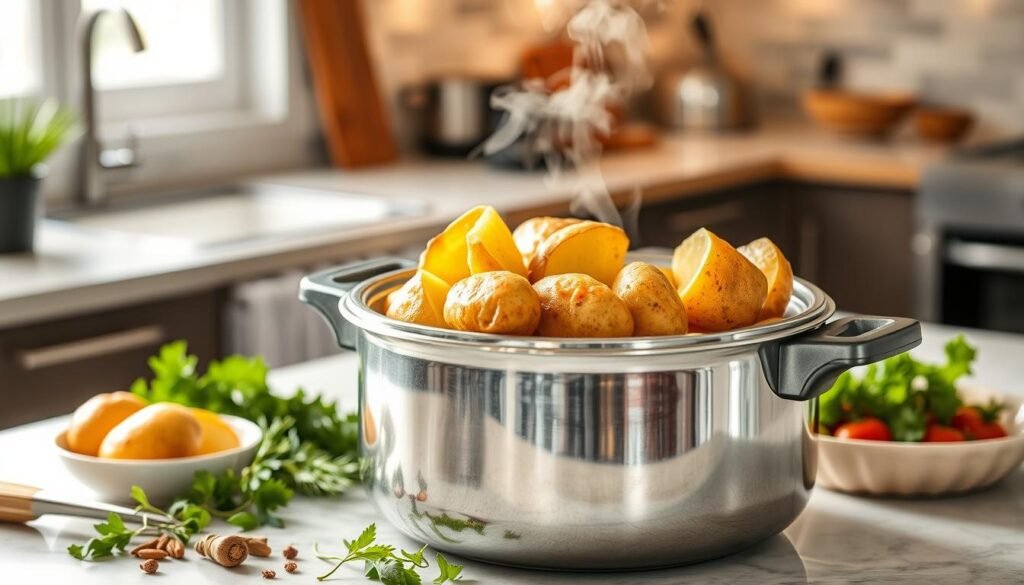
<point>269,103</point>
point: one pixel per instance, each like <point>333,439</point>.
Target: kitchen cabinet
<point>856,245</point>
<point>738,215</point>
<point>49,369</point>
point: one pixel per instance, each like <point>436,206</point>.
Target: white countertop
<point>977,538</point>
<point>74,272</point>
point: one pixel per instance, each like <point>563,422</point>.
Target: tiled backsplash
<point>957,52</point>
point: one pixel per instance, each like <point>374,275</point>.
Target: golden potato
<point>420,300</point>
<point>720,288</point>
<point>158,431</point>
<point>91,421</point>
<point>764,254</point>
<point>651,299</point>
<point>578,305</point>
<point>667,271</point>
<point>493,302</point>
<point>447,255</point>
<point>490,246</point>
<point>217,435</point>
<point>589,247</point>
<point>530,234</point>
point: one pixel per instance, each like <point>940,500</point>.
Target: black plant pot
<point>19,209</point>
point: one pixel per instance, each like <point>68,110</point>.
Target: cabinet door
<point>49,369</point>
<point>855,244</point>
<point>738,215</point>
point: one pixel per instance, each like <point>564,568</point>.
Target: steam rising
<point>563,126</point>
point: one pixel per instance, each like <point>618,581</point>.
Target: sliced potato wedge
<point>776,269</point>
<point>719,287</point>
<point>446,255</point>
<point>589,247</point>
<point>530,234</point>
<point>490,246</point>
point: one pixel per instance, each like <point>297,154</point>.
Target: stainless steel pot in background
<point>452,115</point>
<point>591,453</point>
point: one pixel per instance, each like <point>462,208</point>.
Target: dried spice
<point>150,566</point>
<point>227,551</point>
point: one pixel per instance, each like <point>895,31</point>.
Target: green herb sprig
<point>382,563</point>
<point>115,536</point>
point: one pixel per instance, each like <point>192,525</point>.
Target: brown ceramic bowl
<point>856,114</point>
<point>942,124</point>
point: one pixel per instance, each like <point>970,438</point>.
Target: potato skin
<point>159,431</point>
<point>651,299</point>
<point>411,304</point>
<point>96,417</point>
<point>577,305</point>
<point>530,234</point>
<point>493,302</point>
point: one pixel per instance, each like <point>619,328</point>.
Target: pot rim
<point>809,308</point>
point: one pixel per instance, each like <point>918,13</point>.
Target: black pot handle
<point>804,367</point>
<point>325,289</point>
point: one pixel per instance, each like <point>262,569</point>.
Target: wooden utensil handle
<point>16,502</point>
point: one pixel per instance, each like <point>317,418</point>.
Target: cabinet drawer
<point>48,369</point>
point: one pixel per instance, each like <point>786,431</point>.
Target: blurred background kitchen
<point>224,148</point>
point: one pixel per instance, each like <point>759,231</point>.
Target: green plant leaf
<point>244,520</point>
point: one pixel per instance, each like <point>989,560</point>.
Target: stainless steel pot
<point>591,453</point>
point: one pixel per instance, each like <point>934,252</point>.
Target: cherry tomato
<point>989,431</point>
<point>866,429</point>
<point>942,434</point>
<point>968,419</point>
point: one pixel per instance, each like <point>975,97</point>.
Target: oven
<point>969,240</point>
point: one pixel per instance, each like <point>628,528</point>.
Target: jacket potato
<point>578,305</point>
<point>493,302</point>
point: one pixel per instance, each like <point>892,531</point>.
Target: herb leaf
<point>449,571</point>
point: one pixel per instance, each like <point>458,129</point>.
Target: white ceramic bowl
<point>163,479</point>
<point>915,469</point>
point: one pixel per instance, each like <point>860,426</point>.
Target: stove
<point>969,239</point>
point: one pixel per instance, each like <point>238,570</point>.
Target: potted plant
<point>29,133</point>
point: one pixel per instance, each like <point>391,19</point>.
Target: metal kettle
<point>706,96</point>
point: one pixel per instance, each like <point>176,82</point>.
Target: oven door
<point>983,284</point>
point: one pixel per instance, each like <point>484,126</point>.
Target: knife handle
<point>16,502</point>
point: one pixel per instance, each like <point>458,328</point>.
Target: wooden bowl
<point>856,114</point>
<point>942,124</point>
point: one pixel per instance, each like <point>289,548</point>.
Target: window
<point>19,63</point>
<point>217,76</point>
<point>185,44</point>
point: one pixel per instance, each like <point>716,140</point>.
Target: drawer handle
<point>93,347</point>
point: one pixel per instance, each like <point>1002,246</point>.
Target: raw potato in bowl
<point>577,305</point>
<point>493,302</point>
<point>651,299</point>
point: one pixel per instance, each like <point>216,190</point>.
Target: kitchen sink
<point>238,213</point>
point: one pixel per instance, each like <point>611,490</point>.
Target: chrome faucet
<point>94,156</point>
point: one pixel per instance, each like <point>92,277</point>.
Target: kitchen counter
<point>976,538</point>
<point>75,272</point>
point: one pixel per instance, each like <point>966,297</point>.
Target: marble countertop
<point>975,538</point>
<point>75,272</point>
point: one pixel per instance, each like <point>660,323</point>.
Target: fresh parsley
<point>306,447</point>
<point>902,391</point>
<point>382,563</point>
